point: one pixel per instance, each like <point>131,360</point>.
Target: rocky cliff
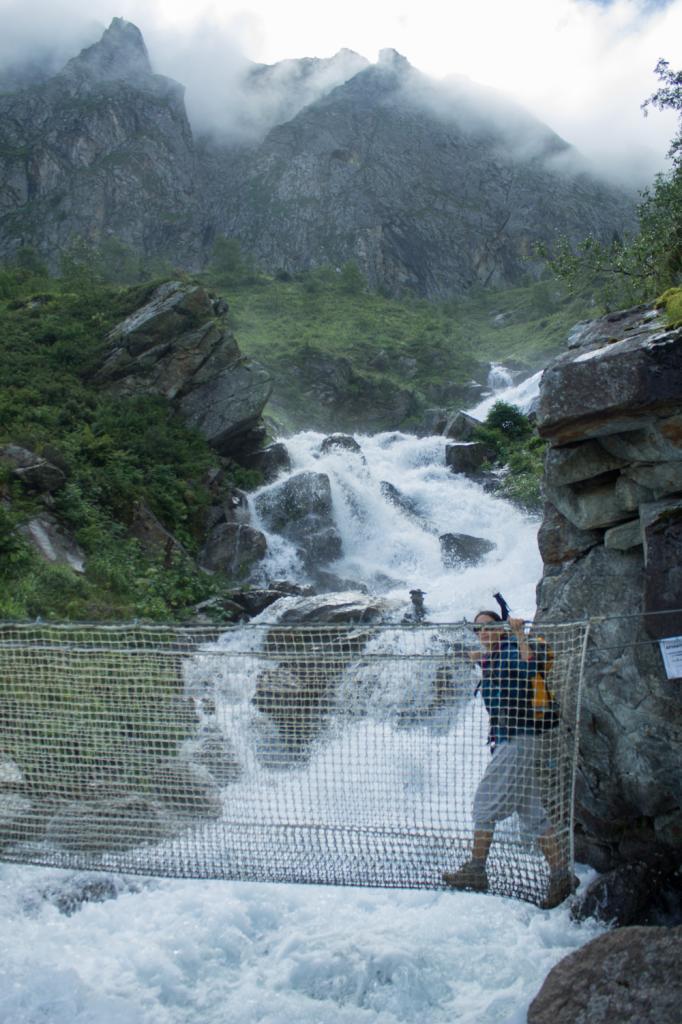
<point>103,149</point>
<point>429,187</point>
<point>611,542</point>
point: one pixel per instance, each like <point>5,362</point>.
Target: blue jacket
<point>507,690</point>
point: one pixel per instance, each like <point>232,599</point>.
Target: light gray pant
<point>511,784</point>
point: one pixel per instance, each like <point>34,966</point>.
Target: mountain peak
<point>120,54</point>
<point>390,58</point>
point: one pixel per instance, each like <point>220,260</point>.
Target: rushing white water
<point>521,395</point>
<point>211,952</point>
<point>392,551</point>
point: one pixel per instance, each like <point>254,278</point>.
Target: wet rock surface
<point>300,509</point>
<point>463,549</point>
<point>468,457</point>
<point>630,976</point>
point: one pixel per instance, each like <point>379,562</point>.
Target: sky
<point>582,66</point>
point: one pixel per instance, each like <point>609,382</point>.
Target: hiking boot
<point>472,875</point>
<point>562,883</point>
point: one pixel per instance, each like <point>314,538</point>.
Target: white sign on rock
<point>671,649</point>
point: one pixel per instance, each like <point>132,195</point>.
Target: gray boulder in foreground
<point>630,976</point>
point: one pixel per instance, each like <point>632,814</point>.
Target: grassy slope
<point>284,323</point>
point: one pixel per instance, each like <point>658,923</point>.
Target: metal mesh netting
<point>347,755</point>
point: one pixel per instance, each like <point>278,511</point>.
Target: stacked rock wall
<point>611,542</point>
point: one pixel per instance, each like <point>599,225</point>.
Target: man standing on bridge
<point>510,783</point>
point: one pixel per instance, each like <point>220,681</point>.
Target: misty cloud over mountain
<point>435,187</point>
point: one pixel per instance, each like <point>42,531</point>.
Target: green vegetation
<point>517,447</point>
<point>635,270</point>
<point>135,717</point>
<point>118,454</point>
<point>671,301</point>
<point>303,325</point>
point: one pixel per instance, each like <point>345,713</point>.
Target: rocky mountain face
<point>103,149</point>
<point>429,187</point>
<point>425,188</point>
<point>611,542</point>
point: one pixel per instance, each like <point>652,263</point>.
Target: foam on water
<point>211,952</point>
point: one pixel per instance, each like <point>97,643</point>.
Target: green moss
<point>671,301</point>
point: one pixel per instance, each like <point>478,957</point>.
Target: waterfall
<point>523,395</point>
<point>390,547</point>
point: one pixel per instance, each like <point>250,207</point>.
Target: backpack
<point>544,707</point>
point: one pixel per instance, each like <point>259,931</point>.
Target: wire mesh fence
<point>342,754</point>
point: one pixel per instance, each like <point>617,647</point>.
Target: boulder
<point>622,896</point>
<point>342,442</point>
<point>461,427</point>
<point>628,761</point>
<point>33,471</point>
<point>253,602</point>
<point>70,894</point>
<point>270,461</point>
<point>232,506</point>
<point>655,440</point>
<point>401,501</point>
<point>630,976</point>
<point>328,582</point>
<point>217,610</point>
<point>286,506</point>
<point>178,345</point>
<point>300,508</point>
<point>184,786</point>
<point>622,371</point>
<point>339,607</point>
<point>660,478</point>
<point>233,549</point>
<point>53,543</point>
<point>594,504</point>
<point>624,537</point>
<point>319,547</point>
<point>468,457</point>
<point>433,422</point>
<point>461,549</point>
<point>214,752</point>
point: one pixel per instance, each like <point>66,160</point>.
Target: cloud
<point>582,66</point>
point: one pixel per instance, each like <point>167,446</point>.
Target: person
<point>510,783</point>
